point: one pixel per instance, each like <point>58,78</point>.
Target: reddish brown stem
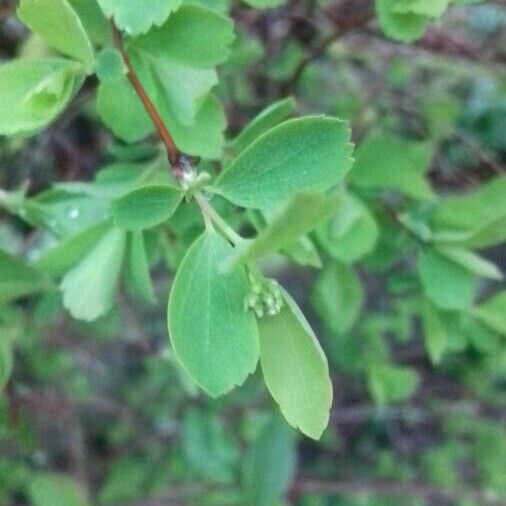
<point>173,153</point>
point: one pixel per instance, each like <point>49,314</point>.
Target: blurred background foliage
<point>101,412</point>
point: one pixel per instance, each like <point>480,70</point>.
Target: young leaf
<point>269,464</point>
<point>33,92</point>
<point>5,362</point>
<point>137,268</point>
<point>301,214</point>
<point>146,207</point>
<point>309,154</point>
<point>390,383</point>
<point>338,297</point>
<point>267,119</point>
<point>449,285</point>
<point>384,161</point>
<point>295,369</point>
<point>134,20</point>
<point>492,312</point>
<point>434,332</point>
<point>88,289</point>
<point>17,279</point>
<point>213,336</point>
<point>351,233</point>
<point>60,27</point>
<point>51,489</point>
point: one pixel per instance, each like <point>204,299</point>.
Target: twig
<point>173,152</point>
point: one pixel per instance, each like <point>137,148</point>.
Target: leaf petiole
<point>211,216</point>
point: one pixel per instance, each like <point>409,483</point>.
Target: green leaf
<point>481,212</point>
<point>300,215</point>
<point>137,268</point>
<point>124,481</point>
<point>204,137</point>
<point>208,447</point>
<point>295,369</point>
<point>180,89</point>
<point>64,213</point>
<point>134,20</point>
<point>93,20</point>
<point>389,383</point>
<point>5,362</point>
<point>402,26</point>
<point>304,252</point>
<point>122,111</point>
<point>109,65</point>
<point>267,119</point>
<point>434,332</point>
<point>33,92</point>
<point>193,36</point>
<point>429,8</point>
<point>60,258</point>
<point>447,284</point>
<point>213,336</point>
<point>492,312</point>
<point>338,297</point>
<point>471,261</point>
<point>17,279</point>
<point>146,207</point>
<point>386,162</point>
<point>88,289</point>
<point>181,56</point>
<point>309,154</point>
<point>351,233</point>
<point>269,464</point>
<point>60,27</point>
<point>51,489</point>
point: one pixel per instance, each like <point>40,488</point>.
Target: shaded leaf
<point>390,383</point>
<point>269,464</point>
<point>492,312</point>
<point>351,233</point>
<point>50,489</point>
<point>137,268</point>
<point>386,162</point>
<point>17,279</point>
<point>146,207</point>
<point>89,288</point>
<point>337,297</point>
<point>446,284</point>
